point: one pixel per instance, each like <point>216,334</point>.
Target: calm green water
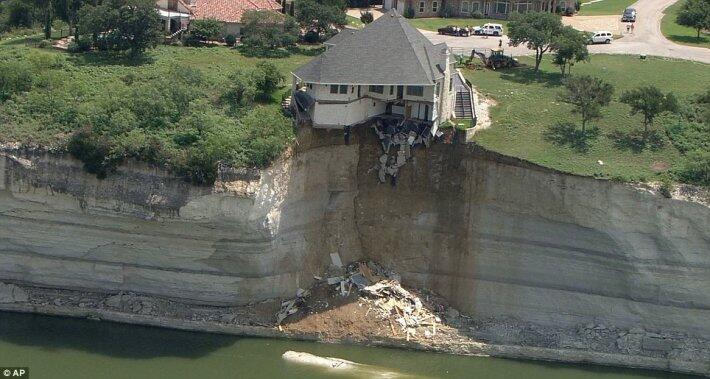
<point>60,348</point>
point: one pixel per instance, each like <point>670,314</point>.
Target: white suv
<point>601,37</point>
<point>489,30</point>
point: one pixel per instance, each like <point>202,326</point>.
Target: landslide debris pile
<point>374,288</point>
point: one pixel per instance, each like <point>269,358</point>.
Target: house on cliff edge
<point>387,69</point>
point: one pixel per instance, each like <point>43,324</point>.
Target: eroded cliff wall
<point>499,238</point>
<point>254,236</point>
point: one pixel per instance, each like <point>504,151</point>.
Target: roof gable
<point>387,51</point>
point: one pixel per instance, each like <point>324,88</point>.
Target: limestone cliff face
<point>253,237</point>
<point>497,237</point>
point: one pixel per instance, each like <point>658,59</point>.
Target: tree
<point>268,77</point>
<point>588,95</point>
<point>537,30</point>
<point>121,25</point>
<point>321,15</point>
<point>650,102</point>
<point>695,14</point>
<point>19,13</point>
<point>570,47</point>
<point>268,30</point>
<point>242,91</point>
<point>206,29</point>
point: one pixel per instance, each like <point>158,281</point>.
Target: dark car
<point>629,15</point>
<point>452,30</point>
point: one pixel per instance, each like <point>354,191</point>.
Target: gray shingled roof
<point>388,51</point>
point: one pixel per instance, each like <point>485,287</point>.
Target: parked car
<point>452,30</point>
<point>601,37</point>
<point>629,15</point>
<point>489,30</point>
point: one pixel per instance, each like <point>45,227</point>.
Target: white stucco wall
<point>339,115</point>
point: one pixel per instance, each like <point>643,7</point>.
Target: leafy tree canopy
<point>537,30</point>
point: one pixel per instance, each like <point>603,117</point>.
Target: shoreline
<point>467,348</point>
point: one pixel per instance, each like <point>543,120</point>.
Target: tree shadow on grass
<point>103,58</point>
<point>567,134</point>
<point>689,39</point>
<point>634,140</point>
<point>526,75</point>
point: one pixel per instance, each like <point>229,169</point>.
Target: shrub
<point>241,91</point>
<point>80,45</point>
<point>696,168</point>
<point>367,17</point>
<point>206,29</point>
<point>409,13</point>
<point>559,9</point>
<point>94,151</point>
<point>577,5</point>
<point>666,187</point>
<point>569,11</point>
<point>14,78</point>
<point>477,15</point>
<point>43,44</point>
<point>230,40</point>
<point>311,36</point>
<point>268,77</point>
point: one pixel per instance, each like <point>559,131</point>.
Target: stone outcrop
<point>497,237</point>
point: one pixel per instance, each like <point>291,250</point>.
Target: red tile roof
<point>231,10</point>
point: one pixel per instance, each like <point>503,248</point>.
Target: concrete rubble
<point>398,138</point>
<point>10,293</point>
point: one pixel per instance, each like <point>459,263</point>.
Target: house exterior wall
<point>342,114</point>
<point>233,28</point>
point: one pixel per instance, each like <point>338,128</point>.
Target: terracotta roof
<point>231,10</point>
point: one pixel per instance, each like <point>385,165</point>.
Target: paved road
<point>646,39</point>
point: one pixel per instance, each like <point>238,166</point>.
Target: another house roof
<point>388,51</point>
<point>231,10</point>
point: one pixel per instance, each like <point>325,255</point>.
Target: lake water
<point>63,348</point>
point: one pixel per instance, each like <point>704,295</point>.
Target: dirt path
<point>646,39</point>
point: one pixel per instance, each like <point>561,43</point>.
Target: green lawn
<point>169,108</point>
<point>605,7</point>
<point>435,23</point>
<point>354,21</point>
<point>682,34</point>
<point>527,107</point>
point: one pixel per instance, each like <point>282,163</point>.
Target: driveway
<point>646,38</point>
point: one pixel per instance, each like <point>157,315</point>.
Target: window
<point>391,90</point>
<point>502,7</point>
<point>523,7</point>
<point>415,91</point>
<point>341,89</point>
<point>438,87</point>
<point>422,7</point>
<point>377,89</point>
<point>464,7</point>
<point>435,6</point>
<point>474,7</point>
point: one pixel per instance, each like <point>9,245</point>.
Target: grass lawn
<point>354,21</point>
<point>605,7</point>
<point>682,34</point>
<point>528,107</point>
<point>435,23</point>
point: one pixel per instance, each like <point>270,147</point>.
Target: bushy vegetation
<point>203,30</point>
<point>321,16</point>
<point>172,109</point>
<point>121,25</point>
<point>267,32</point>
